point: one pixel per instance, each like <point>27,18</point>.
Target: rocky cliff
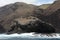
<point>52,15</point>
<point>16,10</point>
<point>12,17</point>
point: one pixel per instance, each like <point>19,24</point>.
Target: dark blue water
<point>15,38</point>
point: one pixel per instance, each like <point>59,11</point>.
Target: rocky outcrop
<point>16,10</point>
<point>52,8</point>
<point>17,17</point>
<point>2,30</point>
<point>52,15</point>
<point>31,24</point>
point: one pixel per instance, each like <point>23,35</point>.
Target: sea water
<point>29,36</point>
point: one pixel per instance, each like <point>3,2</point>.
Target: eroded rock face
<point>32,24</point>
<point>52,15</point>
<point>2,30</point>
<point>15,10</point>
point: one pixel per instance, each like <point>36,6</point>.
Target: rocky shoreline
<point>31,24</point>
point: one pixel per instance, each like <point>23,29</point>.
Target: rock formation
<point>32,24</point>
<point>52,15</point>
<point>2,30</point>
<point>21,17</point>
<point>15,10</point>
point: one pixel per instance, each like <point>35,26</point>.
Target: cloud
<point>4,2</point>
<point>35,2</point>
<point>39,2</point>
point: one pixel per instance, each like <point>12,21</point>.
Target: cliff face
<point>2,30</point>
<point>10,12</point>
<point>31,24</point>
<point>52,8</point>
<point>52,15</point>
<point>16,10</point>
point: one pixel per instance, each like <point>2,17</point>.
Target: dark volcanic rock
<point>52,15</point>
<point>15,10</point>
<point>2,30</point>
<point>32,24</point>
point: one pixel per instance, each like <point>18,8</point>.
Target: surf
<point>29,35</point>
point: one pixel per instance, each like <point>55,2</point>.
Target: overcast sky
<point>35,2</point>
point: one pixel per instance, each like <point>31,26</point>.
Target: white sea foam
<point>29,35</point>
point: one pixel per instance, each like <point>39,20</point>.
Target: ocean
<point>29,36</point>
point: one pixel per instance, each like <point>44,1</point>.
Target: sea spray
<point>29,35</point>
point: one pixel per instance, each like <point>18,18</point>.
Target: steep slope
<point>16,10</point>
<point>2,30</point>
<point>52,8</point>
<point>52,15</point>
<point>44,6</point>
<point>31,24</point>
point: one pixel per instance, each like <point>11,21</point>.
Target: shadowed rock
<point>2,30</point>
<point>32,24</point>
<point>52,15</point>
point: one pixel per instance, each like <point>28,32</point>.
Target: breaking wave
<point>28,36</point>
